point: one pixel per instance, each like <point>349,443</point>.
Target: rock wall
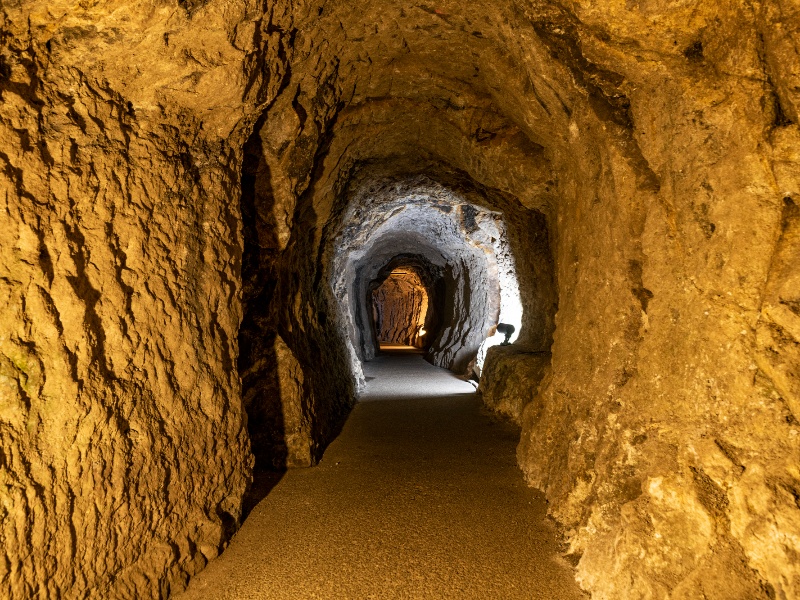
<point>124,456</point>
<point>124,449</point>
<point>659,435</point>
<point>511,379</point>
<point>400,309</point>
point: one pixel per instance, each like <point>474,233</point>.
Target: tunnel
<point>461,249</point>
<point>400,301</point>
<point>226,226</point>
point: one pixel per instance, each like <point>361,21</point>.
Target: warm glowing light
<point>422,331</point>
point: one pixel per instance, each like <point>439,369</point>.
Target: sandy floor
<point>419,497</point>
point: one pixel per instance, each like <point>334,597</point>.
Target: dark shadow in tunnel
<point>257,362</point>
<point>261,398</point>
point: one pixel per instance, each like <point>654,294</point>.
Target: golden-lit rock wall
<point>400,305</point>
<point>125,455</point>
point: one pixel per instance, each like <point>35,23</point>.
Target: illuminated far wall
<point>400,307</point>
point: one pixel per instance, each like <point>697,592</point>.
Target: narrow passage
<point>419,497</point>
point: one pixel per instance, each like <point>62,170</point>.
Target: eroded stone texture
<point>400,308</point>
<point>643,158</point>
<point>511,378</point>
<point>124,452</point>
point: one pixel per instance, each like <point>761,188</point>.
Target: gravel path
<point>419,497</point>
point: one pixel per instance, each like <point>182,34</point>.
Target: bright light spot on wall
<point>510,302</point>
<point>511,313</point>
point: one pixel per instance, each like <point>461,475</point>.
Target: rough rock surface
<point>511,378</point>
<point>400,309</point>
<point>173,176</point>
<point>278,408</point>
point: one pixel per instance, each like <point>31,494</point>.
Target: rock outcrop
<point>182,186</point>
<point>511,379</point>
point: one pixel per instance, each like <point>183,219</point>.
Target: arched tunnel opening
<point>215,213</point>
<point>405,305</point>
<point>412,262</point>
<point>463,254</point>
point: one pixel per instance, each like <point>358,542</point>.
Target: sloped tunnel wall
<point>656,143</point>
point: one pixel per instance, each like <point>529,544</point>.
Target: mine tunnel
<point>400,304</point>
<point>253,261</point>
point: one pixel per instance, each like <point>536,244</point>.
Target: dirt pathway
<point>419,497</point>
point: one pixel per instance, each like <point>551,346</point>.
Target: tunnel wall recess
<point>175,175</point>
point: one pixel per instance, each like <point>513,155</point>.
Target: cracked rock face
<point>182,295</point>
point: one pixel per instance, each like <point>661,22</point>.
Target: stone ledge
<point>511,378</point>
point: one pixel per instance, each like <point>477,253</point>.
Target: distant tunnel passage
<point>464,250</point>
<point>400,308</point>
